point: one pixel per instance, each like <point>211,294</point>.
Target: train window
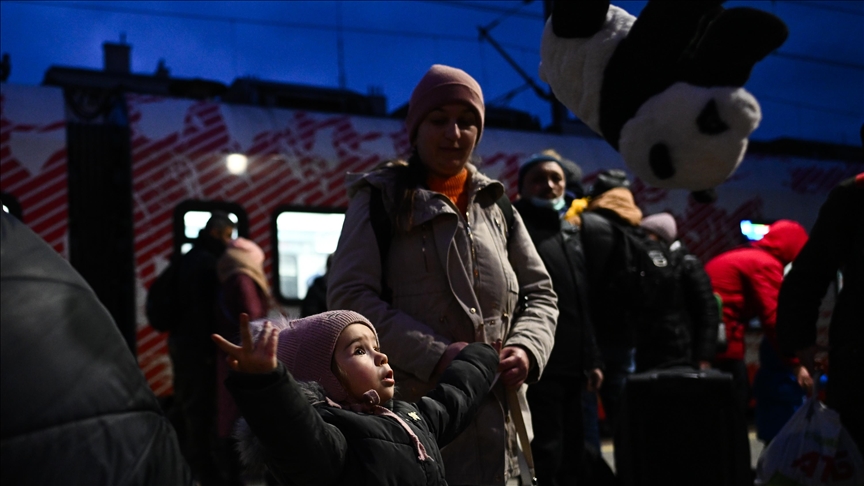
<point>11,205</point>
<point>305,238</point>
<point>190,217</point>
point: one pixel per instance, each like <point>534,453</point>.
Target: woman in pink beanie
<point>453,264</point>
<point>243,289</point>
<point>317,398</point>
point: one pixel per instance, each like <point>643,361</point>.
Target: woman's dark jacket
<point>310,442</point>
<point>76,408</point>
<point>684,329</point>
<point>559,244</point>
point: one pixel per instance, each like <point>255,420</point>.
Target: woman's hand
<point>514,366</point>
<point>251,357</point>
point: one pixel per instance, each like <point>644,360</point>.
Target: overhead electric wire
<point>818,60</point>
<point>808,106</point>
<point>425,35</point>
<point>822,6</point>
<point>486,8</point>
<point>268,23</point>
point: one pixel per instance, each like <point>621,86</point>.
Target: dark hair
<point>608,179</point>
<point>409,177</point>
<point>219,220</point>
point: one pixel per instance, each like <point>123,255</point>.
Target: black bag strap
<point>506,206</point>
<point>383,228</point>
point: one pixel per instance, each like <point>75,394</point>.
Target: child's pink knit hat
<point>306,348</point>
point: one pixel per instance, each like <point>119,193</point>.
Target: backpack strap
<point>383,228</point>
<point>506,206</point>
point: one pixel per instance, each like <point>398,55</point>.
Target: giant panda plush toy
<point>664,89</point>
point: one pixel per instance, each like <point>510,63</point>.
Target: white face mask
<point>557,204</point>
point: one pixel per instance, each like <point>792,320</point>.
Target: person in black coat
<point>836,243</point>
<point>345,428</point>
<point>611,211</point>
<point>193,355</point>
<point>76,408</point>
<point>574,365</point>
<point>682,329</point>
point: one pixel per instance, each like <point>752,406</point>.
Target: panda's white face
<point>689,137</point>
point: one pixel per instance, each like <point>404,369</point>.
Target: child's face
<point>365,367</point>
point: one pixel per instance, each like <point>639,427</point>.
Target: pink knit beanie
<point>306,348</point>
<point>442,85</point>
<point>662,225</point>
<point>248,247</point>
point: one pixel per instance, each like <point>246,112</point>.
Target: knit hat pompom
<point>306,348</point>
<point>662,225</point>
<point>442,85</point>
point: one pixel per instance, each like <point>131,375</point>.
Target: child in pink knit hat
<point>317,395</point>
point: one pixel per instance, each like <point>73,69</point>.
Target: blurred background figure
<point>193,354</point>
<point>76,409</point>
<point>683,330</point>
<point>315,301</point>
<point>836,244</point>
<point>748,280</point>
<point>244,289</point>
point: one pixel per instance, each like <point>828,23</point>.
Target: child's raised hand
<point>251,357</point>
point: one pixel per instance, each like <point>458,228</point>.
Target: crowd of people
<point>474,325</point>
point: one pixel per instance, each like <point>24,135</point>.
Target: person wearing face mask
<point>575,365</point>
<point>452,271</point>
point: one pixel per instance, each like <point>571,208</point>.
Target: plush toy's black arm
<point>733,43</point>
<point>578,18</point>
<point>706,196</point>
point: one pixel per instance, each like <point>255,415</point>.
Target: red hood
<point>784,240</point>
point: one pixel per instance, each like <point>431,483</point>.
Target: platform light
<point>236,163</point>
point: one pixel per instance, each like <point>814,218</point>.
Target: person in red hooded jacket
<point>748,279</point>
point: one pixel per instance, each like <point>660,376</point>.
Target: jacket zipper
<point>425,261</point>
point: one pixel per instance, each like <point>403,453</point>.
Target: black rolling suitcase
<point>681,427</point>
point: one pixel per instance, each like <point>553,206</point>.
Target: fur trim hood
<point>619,200</point>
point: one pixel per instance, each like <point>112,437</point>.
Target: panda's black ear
<point>578,18</point>
<point>732,44</point>
<point>706,196</point>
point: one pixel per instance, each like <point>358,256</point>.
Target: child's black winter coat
<point>306,441</point>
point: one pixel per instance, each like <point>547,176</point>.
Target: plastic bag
<point>812,448</point>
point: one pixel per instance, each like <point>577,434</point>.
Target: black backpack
<point>162,307</point>
<point>383,228</point>
<point>639,272</point>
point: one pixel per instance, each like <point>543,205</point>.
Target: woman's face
<point>446,139</point>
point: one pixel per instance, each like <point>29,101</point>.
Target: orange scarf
<point>453,187</point>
